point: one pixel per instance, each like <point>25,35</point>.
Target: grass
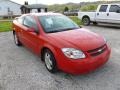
<point>76,20</point>
<point>5,26</point>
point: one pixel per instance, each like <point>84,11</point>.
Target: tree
<point>66,9</point>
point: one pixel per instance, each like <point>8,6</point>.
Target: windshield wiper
<point>60,30</point>
<point>52,31</point>
<point>67,29</point>
<point>71,28</point>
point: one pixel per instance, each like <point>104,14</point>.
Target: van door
<point>101,14</point>
<point>114,14</point>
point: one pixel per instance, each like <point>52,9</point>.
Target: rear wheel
<point>50,61</point>
<point>16,39</point>
<point>86,21</point>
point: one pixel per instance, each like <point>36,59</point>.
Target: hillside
<point>60,7</point>
<point>81,6</point>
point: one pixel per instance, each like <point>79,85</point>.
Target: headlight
<point>73,53</point>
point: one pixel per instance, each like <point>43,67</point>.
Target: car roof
<point>42,14</point>
<point>111,4</point>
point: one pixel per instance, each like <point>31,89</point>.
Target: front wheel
<point>16,39</point>
<point>50,61</point>
<point>86,21</point>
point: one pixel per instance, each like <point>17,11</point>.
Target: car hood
<point>79,38</point>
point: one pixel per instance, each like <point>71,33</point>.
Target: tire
<point>16,40</point>
<point>95,23</point>
<point>86,21</point>
<point>50,62</point>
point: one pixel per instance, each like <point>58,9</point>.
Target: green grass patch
<point>5,26</point>
<point>76,19</point>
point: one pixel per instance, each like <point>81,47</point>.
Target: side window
<point>114,8</point>
<point>30,22</point>
<point>0,8</point>
<point>20,20</point>
<point>103,8</point>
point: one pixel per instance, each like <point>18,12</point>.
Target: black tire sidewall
<point>54,66</point>
<point>88,22</point>
<point>19,43</point>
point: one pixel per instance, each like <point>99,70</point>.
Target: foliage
<point>76,20</point>
<point>90,7</point>
<point>60,7</point>
<point>66,9</point>
<point>83,6</point>
<point>71,6</point>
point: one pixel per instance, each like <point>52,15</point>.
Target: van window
<point>103,8</point>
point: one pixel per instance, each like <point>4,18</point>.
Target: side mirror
<point>118,11</point>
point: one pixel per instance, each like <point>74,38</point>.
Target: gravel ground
<point>22,70</point>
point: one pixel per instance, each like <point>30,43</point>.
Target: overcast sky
<point>49,2</point>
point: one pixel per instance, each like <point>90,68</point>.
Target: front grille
<point>97,51</point>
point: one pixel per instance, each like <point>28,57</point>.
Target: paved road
<point>22,70</point>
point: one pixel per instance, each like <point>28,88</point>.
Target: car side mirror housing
<point>118,11</point>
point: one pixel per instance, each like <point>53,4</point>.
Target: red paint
<point>79,39</point>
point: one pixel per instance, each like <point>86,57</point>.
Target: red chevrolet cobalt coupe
<point>61,43</point>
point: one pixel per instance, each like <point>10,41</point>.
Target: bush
<point>76,20</point>
<point>66,9</point>
<point>91,7</point>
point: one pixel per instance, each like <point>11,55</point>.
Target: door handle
<point>97,14</point>
<point>107,14</point>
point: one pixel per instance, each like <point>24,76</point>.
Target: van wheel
<point>50,61</point>
<point>95,23</point>
<point>16,40</point>
<point>86,21</point>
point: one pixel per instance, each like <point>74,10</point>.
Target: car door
<point>30,38</point>
<point>19,27</point>
<point>101,14</point>
<point>114,14</point>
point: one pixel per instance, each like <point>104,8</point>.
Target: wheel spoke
<point>48,61</point>
<point>16,40</point>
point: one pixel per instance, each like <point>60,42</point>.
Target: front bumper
<point>83,66</point>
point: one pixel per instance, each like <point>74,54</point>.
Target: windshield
<point>57,23</point>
